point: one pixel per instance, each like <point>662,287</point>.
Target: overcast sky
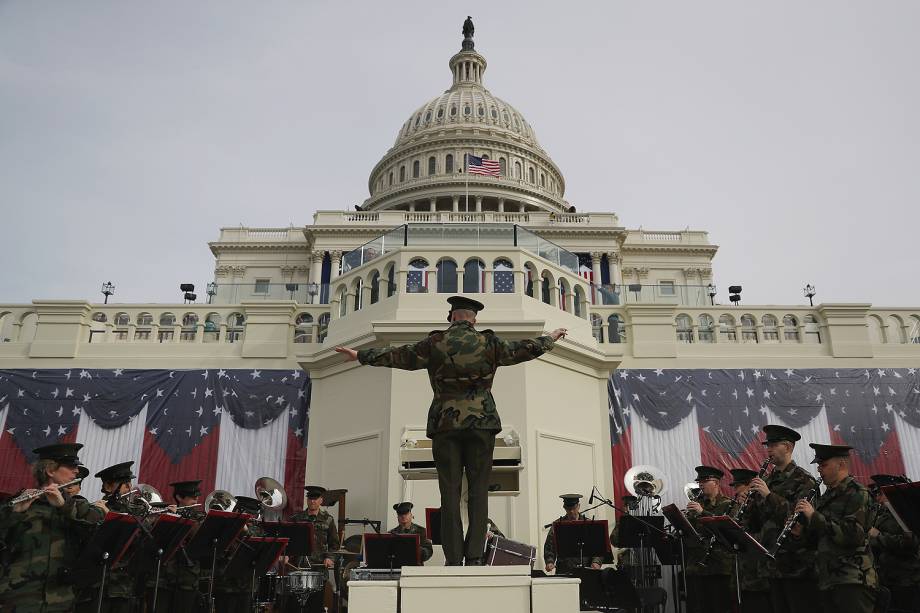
<point>131,131</point>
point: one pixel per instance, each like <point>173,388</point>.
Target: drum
<point>267,589</point>
<point>304,581</point>
<point>505,552</point>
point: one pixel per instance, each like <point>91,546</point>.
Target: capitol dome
<point>423,170</point>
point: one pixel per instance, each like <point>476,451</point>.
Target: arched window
<point>211,327</point>
<point>145,319</point>
<point>727,328</point>
<point>502,167</point>
<point>322,327</point>
<point>391,281</point>
<point>447,276</point>
<point>914,335</point>
<point>876,330</point>
<point>189,320</point>
<point>896,330</point>
<point>503,277</point>
<point>343,302</point>
<point>812,330</point>
<point>530,175</point>
<point>467,110</point>
<point>167,319</point>
<point>417,279</point>
<point>517,170</point>
<point>597,327</point>
<point>474,277</point>
<point>616,329</point>
<point>748,329</point>
<point>402,174</point>
<point>531,275</point>
<point>770,328</point>
<point>542,180</point>
<point>303,328</point>
<point>432,164</point>
<point>415,169</point>
<point>359,290</point>
<point>449,164</point>
<point>375,287</point>
<point>706,330</point>
<point>122,319</point>
<point>790,328</point>
<point>99,318</point>
<point>578,300</point>
<point>236,324</point>
<point>544,293</point>
<point>684,328</point>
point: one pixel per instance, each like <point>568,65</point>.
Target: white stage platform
<point>462,589</point>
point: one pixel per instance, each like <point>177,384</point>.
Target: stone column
<point>199,332</point>
<point>132,329</point>
<point>155,332</point>
<point>459,279</point>
<point>336,261</point>
<point>488,285</point>
<point>177,332</point>
<point>501,205</point>
<point>596,274</point>
<point>520,282</point>
<point>316,273</point>
<point>456,204</point>
<point>366,295</point>
<point>433,204</point>
<point>382,286</point>
<point>478,204</point>
<point>613,260</point>
<point>433,280</point>
<point>222,332</point>
<point>412,206</point>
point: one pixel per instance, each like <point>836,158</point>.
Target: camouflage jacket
<point>119,582</point>
<point>426,545</point>
<point>42,543</point>
<point>748,565</point>
<point>838,529</point>
<point>327,537</point>
<point>897,553</point>
<point>720,560</point>
<point>461,364</point>
<point>766,519</point>
<point>224,584</point>
<point>563,564</point>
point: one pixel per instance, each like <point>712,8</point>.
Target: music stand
<point>904,502</point>
<point>606,589</point>
<point>253,558</point>
<point>392,550</point>
<point>166,536</point>
<point>107,547</point>
<point>301,536</point>
<point>217,531</point>
<point>433,524</point>
<point>581,539</point>
<point>677,519</point>
<point>727,531</point>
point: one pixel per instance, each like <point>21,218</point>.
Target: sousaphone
<point>644,480</point>
<point>220,500</point>
<point>271,494</point>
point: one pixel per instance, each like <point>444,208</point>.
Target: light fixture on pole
<point>734,294</point>
<point>711,290</point>
<point>187,289</point>
<point>211,291</point>
<point>809,291</point>
<point>291,287</point>
<point>108,289</point>
<point>312,290</point>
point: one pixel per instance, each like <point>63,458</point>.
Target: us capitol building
<point>282,298</point>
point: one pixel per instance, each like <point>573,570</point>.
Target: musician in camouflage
<point>708,570</point>
<point>792,574</point>
<point>230,594</point>
<point>837,527</point>
<point>327,536</point>
<point>179,578</point>
<point>896,552</point>
<point>40,537</point>
<point>755,589</point>
<point>571,503</point>
<point>406,526</point>
<point>462,419</point>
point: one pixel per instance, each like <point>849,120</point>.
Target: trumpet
<point>794,518</point>
<point>31,494</point>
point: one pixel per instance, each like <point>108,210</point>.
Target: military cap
<point>570,500</point>
<point>315,491</point>
<point>82,472</point>
<point>65,453</point>
<point>186,488</point>
<point>402,507</point>
<point>117,472</point>
<point>776,433</point>
<point>245,504</point>
<point>742,476</point>
<point>708,472</point>
<point>883,480</point>
<point>463,303</point>
<point>826,452</point>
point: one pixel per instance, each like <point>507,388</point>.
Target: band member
<point>897,553</point>
<point>326,540</point>
<point>120,589</point>
<point>793,588</point>
<point>74,490</point>
<point>37,534</point>
<point>708,566</point>
<point>232,595</point>
<point>404,525</point>
<point>179,583</point>
<point>571,503</point>
<point>755,589</point>
<point>462,418</point>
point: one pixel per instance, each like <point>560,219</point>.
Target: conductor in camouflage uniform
<point>897,553</point>
<point>39,537</point>
<point>755,589</point>
<point>571,503</point>
<point>708,570</point>
<point>837,527</point>
<point>462,419</point>
<point>406,526</point>
<point>792,574</point>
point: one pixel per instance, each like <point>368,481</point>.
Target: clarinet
<point>739,512</point>
<point>794,518</point>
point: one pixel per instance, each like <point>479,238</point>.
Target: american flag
<point>482,166</point>
<point>504,282</point>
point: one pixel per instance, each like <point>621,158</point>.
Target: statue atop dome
<point>468,30</point>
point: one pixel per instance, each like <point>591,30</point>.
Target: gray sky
<point>130,132</point>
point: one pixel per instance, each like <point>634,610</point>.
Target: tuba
<point>644,480</point>
<point>220,500</point>
<point>271,494</point>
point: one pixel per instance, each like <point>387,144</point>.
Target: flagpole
<point>466,173</point>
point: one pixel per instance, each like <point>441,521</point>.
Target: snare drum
<point>505,552</point>
<point>304,581</point>
<point>267,589</point>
